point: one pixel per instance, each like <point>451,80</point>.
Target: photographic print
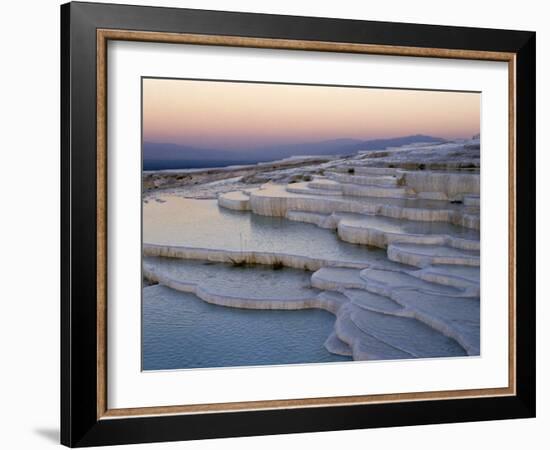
<point>290,207</point>
<point>302,224</point>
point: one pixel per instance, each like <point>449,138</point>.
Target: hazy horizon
<point>245,116</point>
<point>259,146</point>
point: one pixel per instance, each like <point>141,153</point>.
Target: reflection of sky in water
<point>201,223</point>
<point>181,331</point>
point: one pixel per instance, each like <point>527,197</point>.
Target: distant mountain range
<point>158,156</point>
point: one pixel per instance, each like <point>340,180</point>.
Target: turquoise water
<point>180,331</point>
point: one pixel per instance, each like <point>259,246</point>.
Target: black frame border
<point>79,423</point>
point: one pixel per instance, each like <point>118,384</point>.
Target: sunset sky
<point>234,115</point>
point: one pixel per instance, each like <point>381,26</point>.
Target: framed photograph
<point>277,224</point>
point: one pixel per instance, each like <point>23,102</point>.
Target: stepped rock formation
<point>387,241</point>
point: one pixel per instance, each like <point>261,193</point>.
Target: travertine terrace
<point>392,248</point>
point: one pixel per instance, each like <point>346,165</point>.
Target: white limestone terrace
<point>442,156</point>
<point>387,241</point>
<point>381,231</point>
<point>277,200</point>
<point>427,255</point>
<point>451,311</point>
<point>368,325</point>
<point>255,287</point>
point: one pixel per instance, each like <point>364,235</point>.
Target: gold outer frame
<point>103,36</point>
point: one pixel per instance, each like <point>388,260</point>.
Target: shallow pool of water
<point>248,281</point>
<point>201,223</point>
<point>180,331</point>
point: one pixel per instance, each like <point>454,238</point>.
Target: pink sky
<point>247,115</point>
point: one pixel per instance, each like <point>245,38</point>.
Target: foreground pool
<point>180,331</point>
